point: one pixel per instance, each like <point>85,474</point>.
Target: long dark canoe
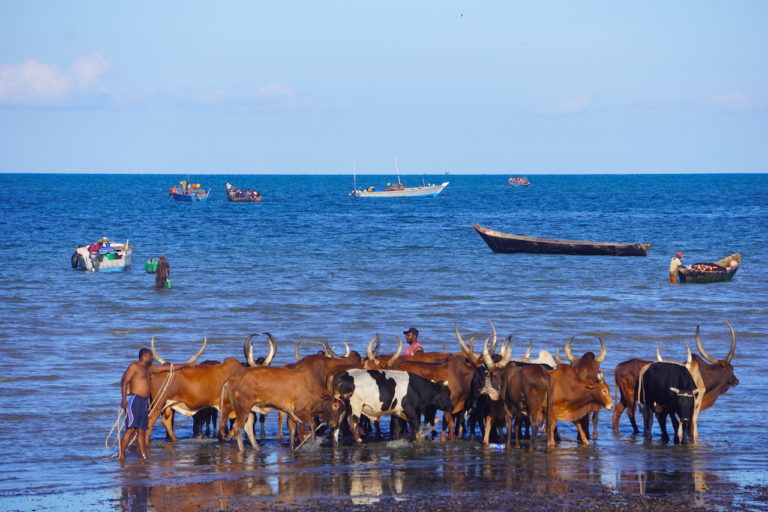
<point>721,270</point>
<point>506,242</point>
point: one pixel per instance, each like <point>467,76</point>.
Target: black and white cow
<point>376,393</point>
<point>668,389</point>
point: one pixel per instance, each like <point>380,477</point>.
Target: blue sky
<point>313,87</point>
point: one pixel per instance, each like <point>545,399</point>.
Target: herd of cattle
<point>489,390</point>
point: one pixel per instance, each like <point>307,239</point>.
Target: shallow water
<point>311,263</point>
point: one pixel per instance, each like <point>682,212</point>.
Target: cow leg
<point>508,442</point>
<point>584,422</point>
<point>292,432</point>
<point>214,421</point>
<point>661,417</point>
<point>582,436</point>
<point>414,420</point>
<point>594,424</point>
<point>280,420</point>
<point>617,410</point>
<point>487,433</point>
<point>249,425</point>
<point>168,416</point>
<point>448,419</point>
<point>354,425</point>
<point>631,414</point>
<point>676,428</point>
<point>262,430</point>
<point>647,421</point>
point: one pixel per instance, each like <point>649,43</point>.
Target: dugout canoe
<point>721,270</point>
<point>508,243</point>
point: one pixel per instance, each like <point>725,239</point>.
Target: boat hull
<point>233,199</point>
<point>121,263</point>
<point>509,243</point>
<point>189,198</point>
<point>430,191</point>
<point>688,275</point>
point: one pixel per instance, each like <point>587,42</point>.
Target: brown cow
<point>718,377</point>
<point>296,392</point>
<point>192,389</point>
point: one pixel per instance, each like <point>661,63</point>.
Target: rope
<point>118,423</point>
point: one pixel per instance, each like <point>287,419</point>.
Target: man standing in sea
<point>135,387</point>
<point>163,273</point>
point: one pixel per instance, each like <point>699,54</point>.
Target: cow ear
<point>675,390</point>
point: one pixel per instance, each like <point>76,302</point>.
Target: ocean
<point>311,263</point>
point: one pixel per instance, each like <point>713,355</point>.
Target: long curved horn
<point>377,348</point>
<point>557,357</point>
<point>464,347</point>
<point>329,351</point>
<point>487,357</point>
<point>732,351</point>
<point>154,352</point>
<point>397,353</point>
<point>248,350</point>
<point>495,339</point>
<point>346,349</point>
<point>506,357</point>
<point>199,352</point>
<point>701,348</point>
<point>272,349</point>
<point>658,353</point>
<point>568,353</point>
<point>528,352</point>
<point>296,350</point>
<point>445,348</point>
<point>369,350</point>
<point>601,356</point>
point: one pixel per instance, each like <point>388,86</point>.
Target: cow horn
<point>369,351</point>
<point>272,349</point>
<point>732,351</point>
<point>329,351</point>
<point>688,357</point>
<point>568,353</point>
<point>506,357</point>
<point>528,352</point>
<point>557,357</point>
<point>495,338</point>
<point>464,347</point>
<point>248,350</point>
<point>346,349</point>
<point>296,350</point>
<point>154,352</point>
<point>445,348</point>
<point>701,348</point>
<point>487,357</point>
<point>199,352</point>
<point>377,348</point>
<point>603,351</point>
<point>658,353</point>
<point>505,345</point>
<point>397,353</point>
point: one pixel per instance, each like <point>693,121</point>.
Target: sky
<point>328,87</point>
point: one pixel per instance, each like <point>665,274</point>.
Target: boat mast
<point>354,176</point>
<point>397,167</point>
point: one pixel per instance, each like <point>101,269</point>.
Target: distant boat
<point>721,270</point>
<point>236,195</point>
<point>518,181</point>
<point>112,258</point>
<point>400,190</point>
<point>509,243</point>
<point>188,192</point>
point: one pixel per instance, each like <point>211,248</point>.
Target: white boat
<point>400,190</point>
<point>117,259</point>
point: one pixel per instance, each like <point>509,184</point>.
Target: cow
<point>190,390</point>
<point>298,393</point>
<point>376,393</point>
<point>523,390</point>
<point>667,388</point>
<point>718,377</point>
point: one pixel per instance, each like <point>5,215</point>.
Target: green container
<point>111,255</point>
<point>151,267</point>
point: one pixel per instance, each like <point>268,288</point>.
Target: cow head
<point>727,378</point>
<point>601,394</point>
<point>442,396</point>
<point>331,410</point>
<point>683,402</point>
<point>587,367</point>
<point>484,384</point>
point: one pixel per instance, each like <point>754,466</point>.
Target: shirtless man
<point>135,388</point>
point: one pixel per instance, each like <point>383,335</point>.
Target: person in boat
<point>412,337</point>
<point>106,246</point>
<point>134,388</point>
<point>674,264</point>
<point>93,253</point>
<point>163,273</point>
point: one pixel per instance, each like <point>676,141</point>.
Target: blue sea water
<point>311,263</point>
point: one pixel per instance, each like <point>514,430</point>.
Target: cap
<point>679,254</point>
<point>413,330</point>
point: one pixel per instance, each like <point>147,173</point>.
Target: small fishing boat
<point>236,195</point>
<point>721,270</point>
<point>518,181</point>
<point>509,243</point>
<point>112,257</point>
<point>400,190</point>
<point>188,192</point>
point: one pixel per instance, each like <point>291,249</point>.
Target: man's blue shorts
<point>138,412</point>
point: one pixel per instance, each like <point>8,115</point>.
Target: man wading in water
<point>135,387</point>
<point>163,273</point>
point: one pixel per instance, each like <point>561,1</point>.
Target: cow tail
<point>550,420</point>
<point>224,415</point>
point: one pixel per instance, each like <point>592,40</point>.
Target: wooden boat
<point>188,192</point>
<point>236,195</point>
<point>116,258</point>
<point>721,270</point>
<point>509,243</point>
<point>400,190</point>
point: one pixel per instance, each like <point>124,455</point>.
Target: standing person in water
<point>163,273</point>
<point>673,266</point>
<point>135,387</point>
<point>412,337</point>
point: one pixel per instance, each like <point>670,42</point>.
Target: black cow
<point>668,389</point>
<point>376,393</point>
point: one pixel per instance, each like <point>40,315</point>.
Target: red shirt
<point>413,348</point>
<point>93,248</point>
